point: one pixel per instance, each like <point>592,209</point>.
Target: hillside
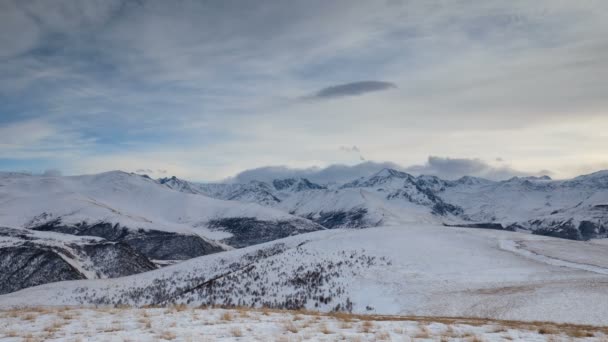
<point>135,219</point>
<point>402,270</point>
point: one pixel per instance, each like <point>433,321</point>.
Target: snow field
<point>180,323</point>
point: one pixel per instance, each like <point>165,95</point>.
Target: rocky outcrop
<point>570,229</point>
<point>247,231</point>
<point>30,265</point>
<point>343,219</point>
<point>29,258</point>
<point>154,244</point>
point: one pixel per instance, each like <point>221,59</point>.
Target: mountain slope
<point>412,269</point>
<point>136,222</point>
<point>573,209</point>
<point>30,258</point>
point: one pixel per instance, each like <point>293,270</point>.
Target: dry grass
<point>345,325</point>
<point>243,312</point>
<point>580,333</point>
<point>181,307</point>
<point>423,332</point>
<point>323,328</point>
<point>226,316</point>
<point>382,336</point>
<point>168,335</point>
<point>548,330</point>
<point>30,316</point>
<point>366,327</point>
<point>290,327</point>
<point>476,339</point>
<point>55,326</point>
<point>364,323</point>
<point>236,332</point>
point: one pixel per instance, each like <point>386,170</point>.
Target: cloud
<point>453,168</point>
<point>330,174</point>
<point>97,84</point>
<point>353,89</point>
<point>445,168</point>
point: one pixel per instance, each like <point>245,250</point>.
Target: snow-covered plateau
<point>417,269</point>
<point>206,324</point>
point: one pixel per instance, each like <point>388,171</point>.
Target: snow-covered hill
<point>573,209</point>
<point>406,270</point>
<point>154,222</point>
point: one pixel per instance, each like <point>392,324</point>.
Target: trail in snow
<point>518,248</point>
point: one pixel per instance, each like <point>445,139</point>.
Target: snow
<point>116,197</point>
<point>413,269</point>
<point>184,324</point>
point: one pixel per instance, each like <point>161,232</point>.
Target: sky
<point>206,89</point>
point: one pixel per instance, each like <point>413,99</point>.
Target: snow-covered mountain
<point>573,209</point>
<point>407,270</point>
<point>154,223</point>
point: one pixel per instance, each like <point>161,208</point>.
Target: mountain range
<point>574,209</point>
<point>113,224</point>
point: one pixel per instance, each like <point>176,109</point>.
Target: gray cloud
<point>445,168</point>
<point>334,173</point>
<point>353,89</point>
<point>453,168</point>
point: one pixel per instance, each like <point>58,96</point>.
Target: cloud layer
<point>204,89</point>
<point>445,168</point>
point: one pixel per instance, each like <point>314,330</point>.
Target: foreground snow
<point>188,324</point>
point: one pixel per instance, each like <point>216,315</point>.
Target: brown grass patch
<point>423,333</point>
<point>30,316</point>
<point>325,329</point>
<point>289,326</point>
<point>226,316</point>
<point>236,332</point>
<point>382,336</point>
<point>366,327</point>
<point>345,325</point>
<point>168,335</point>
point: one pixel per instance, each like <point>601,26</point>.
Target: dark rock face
<point>30,265</point>
<point>300,184</point>
<point>249,231</point>
<point>154,244</point>
<point>584,230</point>
<point>116,259</point>
<point>343,219</point>
<point>170,246</point>
<point>29,259</point>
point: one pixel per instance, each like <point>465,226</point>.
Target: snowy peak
<point>380,178</point>
<point>178,184</point>
<point>472,181</point>
<point>296,185</point>
<point>597,179</point>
